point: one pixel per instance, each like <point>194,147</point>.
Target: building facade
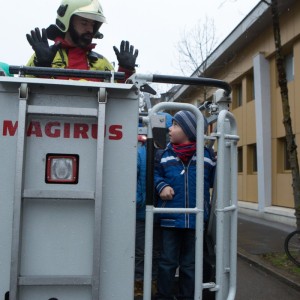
<point>246,60</point>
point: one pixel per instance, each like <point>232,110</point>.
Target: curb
<point>276,272</point>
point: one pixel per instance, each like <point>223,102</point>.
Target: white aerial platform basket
<point>68,186</point>
<point>67,241</point>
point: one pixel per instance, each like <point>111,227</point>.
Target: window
<point>240,159</point>
<point>287,165</point>
<point>239,95</point>
<point>252,159</point>
<point>237,100</point>
<point>282,156</point>
<point>289,66</point>
<point>250,87</point>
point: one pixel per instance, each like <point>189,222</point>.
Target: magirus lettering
<point>57,129</point>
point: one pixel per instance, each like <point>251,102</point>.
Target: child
<point>175,183</point>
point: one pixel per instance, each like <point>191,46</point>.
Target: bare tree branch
<point>196,45</point>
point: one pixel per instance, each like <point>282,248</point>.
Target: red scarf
<point>185,151</point>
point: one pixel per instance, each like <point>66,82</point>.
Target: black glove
<point>43,52</point>
<point>125,56</point>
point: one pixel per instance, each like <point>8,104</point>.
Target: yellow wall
<point>239,70</point>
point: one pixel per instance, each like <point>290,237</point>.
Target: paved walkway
<point>258,236</point>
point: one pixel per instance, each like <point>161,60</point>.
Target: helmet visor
<point>91,16</point>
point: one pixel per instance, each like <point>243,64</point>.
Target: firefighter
<point>77,23</point>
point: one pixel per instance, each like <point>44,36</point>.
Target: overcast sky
<point>153,26</point>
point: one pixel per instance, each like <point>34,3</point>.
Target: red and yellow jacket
<point>68,57</point>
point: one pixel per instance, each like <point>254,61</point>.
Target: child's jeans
<point>178,250</point>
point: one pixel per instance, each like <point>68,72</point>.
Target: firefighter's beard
<point>81,40</point>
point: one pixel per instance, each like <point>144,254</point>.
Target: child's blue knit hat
<point>187,121</point>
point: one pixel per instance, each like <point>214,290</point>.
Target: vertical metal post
<point>234,203</point>
<point>102,98</point>
<point>148,252</point>
<point>226,285</point>
<point>200,206</point>
<point>17,206</point>
<point>149,215</point>
<point>219,209</point>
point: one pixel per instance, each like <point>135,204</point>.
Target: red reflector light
<point>62,168</point>
<point>142,138</point>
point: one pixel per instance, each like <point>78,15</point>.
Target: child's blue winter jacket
<point>171,171</point>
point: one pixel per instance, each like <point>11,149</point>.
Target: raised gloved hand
<point>125,56</point>
<point>43,52</point>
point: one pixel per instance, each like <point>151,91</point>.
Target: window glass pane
<point>287,165</point>
<point>253,89</point>
<point>239,95</point>
<point>289,66</point>
<point>251,159</point>
<point>283,163</point>
<point>250,88</point>
<point>254,156</point>
<point>240,159</point>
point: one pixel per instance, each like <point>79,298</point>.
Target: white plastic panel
<point>57,234</point>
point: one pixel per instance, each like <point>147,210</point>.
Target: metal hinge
<point>102,95</point>
<point>23,91</point>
